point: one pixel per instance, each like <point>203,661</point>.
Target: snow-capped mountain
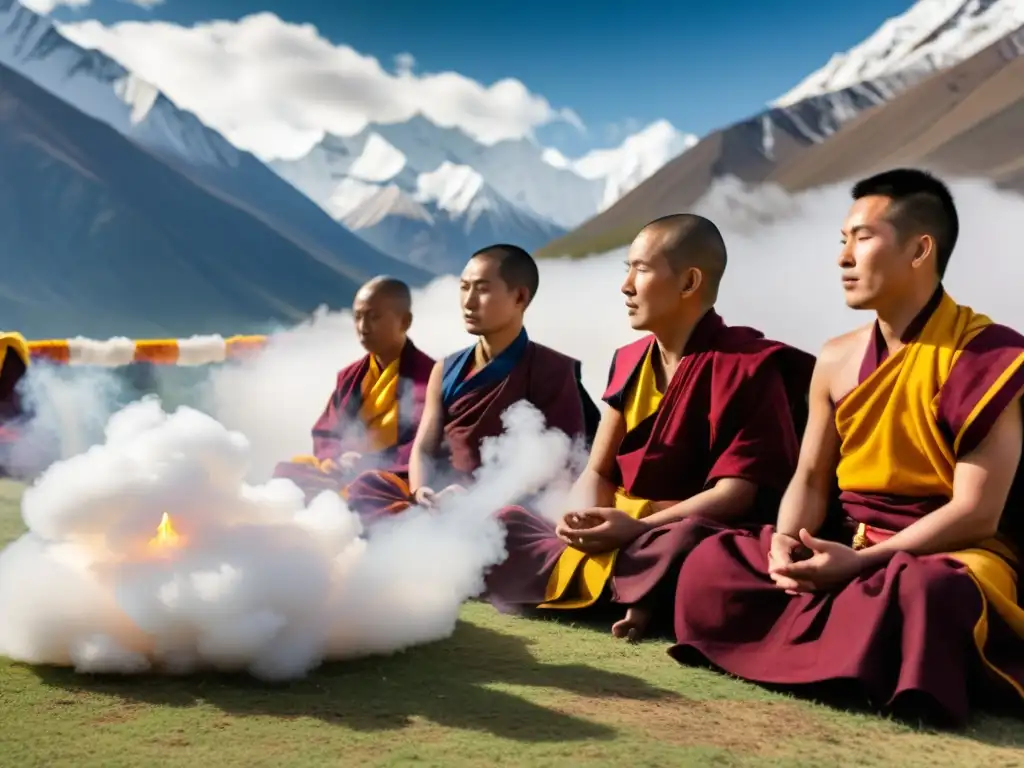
<point>748,150</point>
<point>101,237</point>
<point>622,168</point>
<point>525,196</point>
<point>103,89</point>
<point>468,192</point>
<point>341,171</point>
<point>805,142</point>
<point>398,188</point>
<point>451,213</point>
<point>930,36</point>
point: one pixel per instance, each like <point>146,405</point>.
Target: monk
<point>371,417</point>
<point>917,418</point>
<point>702,421</point>
<point>14,362</point>
<point>469,390</point>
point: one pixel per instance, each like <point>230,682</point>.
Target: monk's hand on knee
<point>780,555</point>
<point>567,529</point>
<point>829,565</point>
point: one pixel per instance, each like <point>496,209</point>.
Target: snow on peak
<point>452,188</point>
<point>622,168</point>
<point>380,161</point>
<point>930,36</point>
<point>554,158</point>
<point>137,94</point>
<point>102,88</point>
<point>32,45</point>
<point>387,201</point>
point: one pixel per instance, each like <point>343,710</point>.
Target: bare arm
<point>429,432</point>
<point>726,499</point>
<point>759,453</point>
<point>593,488</point>
<point>981,486</point>
<point>805,502</point>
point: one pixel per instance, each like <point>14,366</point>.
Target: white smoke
<point>255,580</point>
<point>266,584</point>
<point>70,409</point>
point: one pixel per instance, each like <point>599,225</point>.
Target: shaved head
<point>382,311</point>
<point>516,267</point>
<point>687,241</point>
<point>390,288</point>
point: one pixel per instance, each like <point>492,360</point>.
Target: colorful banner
<point>116,352</point>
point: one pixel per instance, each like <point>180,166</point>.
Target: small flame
<point>166,536</point>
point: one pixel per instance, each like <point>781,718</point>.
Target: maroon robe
<point>900,635</point>
<point>473,403</point>
<point>734,408</point>
<point>340,428</point>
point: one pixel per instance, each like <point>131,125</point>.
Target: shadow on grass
<point>993,723</point>
<point>447,683</point>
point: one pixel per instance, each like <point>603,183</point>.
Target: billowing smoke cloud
<point>149,551</point>
<point>69,410</point>
<point>261,582</point>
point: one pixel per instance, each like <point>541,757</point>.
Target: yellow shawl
<point>892,443</point>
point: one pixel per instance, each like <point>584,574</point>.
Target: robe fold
<point>373,411</point>
<point>473,402</point>
<point>922,632</point>
<point>734,408</point>
<point>14,362</point>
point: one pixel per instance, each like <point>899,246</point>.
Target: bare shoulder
<point>838,366</point>
<point>436,374</point>
<point>840,349</point>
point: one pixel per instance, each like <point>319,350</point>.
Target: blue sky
<point>619,66</point>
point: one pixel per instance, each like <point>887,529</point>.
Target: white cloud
<point>44,7</point>
<point>275,88</point>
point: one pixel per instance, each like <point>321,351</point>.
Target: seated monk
<point>371,417</point>
<point>14,362</point>
<point>917,418</point>
<point>469,390</point>
<point>702,420</point>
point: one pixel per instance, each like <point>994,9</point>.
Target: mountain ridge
<point>209,267</point>
<point>763,147</point>
<point>100,87</point>
<point>930,36</point>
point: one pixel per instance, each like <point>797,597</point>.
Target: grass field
<point>499,692</point>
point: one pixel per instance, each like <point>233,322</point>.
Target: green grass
<point>499,692</point>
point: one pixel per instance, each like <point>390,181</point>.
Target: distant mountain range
<point>521,191</point>
<point>422,194</point>
<point>261,202</point>
<point>432,195</point>
<point>126,214</point>
<point>102,238</point>
<point>940,87</point>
